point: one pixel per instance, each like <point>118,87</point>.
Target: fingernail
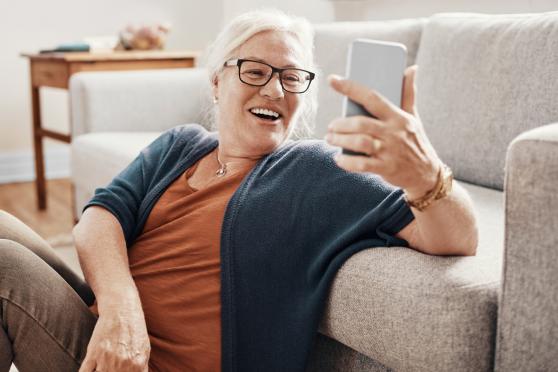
<point>332,77</point>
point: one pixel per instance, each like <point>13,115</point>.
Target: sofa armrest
<point>131,101</point>
<point>528,310</point>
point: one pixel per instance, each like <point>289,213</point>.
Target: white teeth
<point>264,112</point>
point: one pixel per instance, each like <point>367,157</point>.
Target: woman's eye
<point>291,78</point>
<point>254,72</point>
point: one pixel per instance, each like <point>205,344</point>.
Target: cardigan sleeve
<point>124,194</point>
<point>354,206</point>
<point>384,209</point>
<point>396,214</point>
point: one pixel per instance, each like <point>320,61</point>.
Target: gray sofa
<point>488,95</point>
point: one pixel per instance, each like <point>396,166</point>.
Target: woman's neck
<point>231,162</point>
<point>231,157</point>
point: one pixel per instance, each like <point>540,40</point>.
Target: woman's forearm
<point>101,249</point>
<point>448,225</point>
<point>120,341</point>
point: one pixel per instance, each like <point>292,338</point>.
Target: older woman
<point>216,250</point>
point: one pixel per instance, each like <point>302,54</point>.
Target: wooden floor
<point>20,200</point>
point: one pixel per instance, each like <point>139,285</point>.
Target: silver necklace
<point>222,167</point>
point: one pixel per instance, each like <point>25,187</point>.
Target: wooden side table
<point>54,70</point>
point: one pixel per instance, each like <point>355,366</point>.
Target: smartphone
<point>379,65</point>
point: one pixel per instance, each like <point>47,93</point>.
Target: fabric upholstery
<point>331,46</point>
<point>134,101</point>
<point>96,158</point>
<point>415,312</point>
<point>528,314</point>
<point>332,356</point>
<point>484,79</point>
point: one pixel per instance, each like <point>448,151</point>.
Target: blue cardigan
<point>288,228</point>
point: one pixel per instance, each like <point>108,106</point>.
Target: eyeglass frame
<point>239,61</point>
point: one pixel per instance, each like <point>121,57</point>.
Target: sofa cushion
<point>415,312</point>
<point>98,157</point>
<point>332,356</point>
<point>332,44</point>
<point>482,80</point>
<point>137,101</point>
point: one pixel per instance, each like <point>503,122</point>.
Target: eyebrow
<point>261,60</point>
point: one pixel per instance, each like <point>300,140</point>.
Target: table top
<point>113,56</point>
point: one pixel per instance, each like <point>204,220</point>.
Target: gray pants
<point>46,322</point>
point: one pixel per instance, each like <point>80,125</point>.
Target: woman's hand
<point>395,142</point>
<point>119,341</point>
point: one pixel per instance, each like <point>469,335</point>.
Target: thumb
<point>409,90</point>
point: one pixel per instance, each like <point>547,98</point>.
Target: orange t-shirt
<point>175,264</point>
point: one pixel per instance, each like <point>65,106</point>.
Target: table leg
<point>38,148</point>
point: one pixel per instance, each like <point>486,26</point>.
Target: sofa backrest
<point>331,46</point>
<point>152,100</point>
<point>482,80</point>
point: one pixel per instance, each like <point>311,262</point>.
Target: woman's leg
<point>13,229</point>
<point>6,353</point>
<point>45,322</point>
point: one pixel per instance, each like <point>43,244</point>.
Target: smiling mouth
<point>266,115</point>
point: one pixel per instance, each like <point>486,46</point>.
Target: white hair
<point>246,25</point>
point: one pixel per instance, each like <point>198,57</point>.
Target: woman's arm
<point>398,149</point>
<point>446,227</point>
<point>120,340</point>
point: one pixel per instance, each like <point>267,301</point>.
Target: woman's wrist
<point>441,189</point>
<point>427,185</point>
<point>119,298</point>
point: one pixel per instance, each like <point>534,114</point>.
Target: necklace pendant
<point>221,171</point>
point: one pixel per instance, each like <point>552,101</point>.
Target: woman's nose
<point>273,88</point>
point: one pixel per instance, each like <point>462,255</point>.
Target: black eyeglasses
<point>258,74</point>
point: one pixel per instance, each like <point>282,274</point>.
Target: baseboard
<point>19,166</point>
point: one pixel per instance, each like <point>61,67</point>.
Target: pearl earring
<point>215,100</point>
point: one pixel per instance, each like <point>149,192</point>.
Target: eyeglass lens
<point>256,73</point>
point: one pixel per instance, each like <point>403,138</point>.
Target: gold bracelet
<point>442,188</point>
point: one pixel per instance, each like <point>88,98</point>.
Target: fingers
<point>409,90</point>
<point>357,124</point>
<point>360,164</point>
<point>372,101</point>
<point>356,133</point>
<point>118,356</point>
<point>355,142</point>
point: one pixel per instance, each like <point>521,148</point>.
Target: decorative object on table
<point>146,37</point>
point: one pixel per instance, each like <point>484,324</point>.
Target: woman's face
<point>240,130</point>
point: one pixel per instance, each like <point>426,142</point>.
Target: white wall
<point>315,10</point>
<point>28,26</point>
